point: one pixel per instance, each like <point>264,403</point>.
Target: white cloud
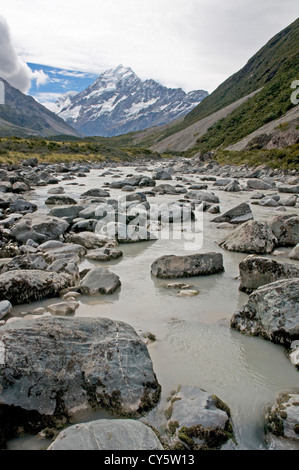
<point>188,43</point>
<point>48,99</point>
<point>72,73</point>
<point>12,68</point>
<point>40,76</point>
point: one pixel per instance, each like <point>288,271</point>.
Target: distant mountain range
<point>22,115</point>
<point>119,102</point>
<point>251,110</point>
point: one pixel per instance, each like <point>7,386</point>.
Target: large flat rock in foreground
<point>104,434</point>
<point>200,264</point>
<point>61,365</point>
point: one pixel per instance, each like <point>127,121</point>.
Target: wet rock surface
<point>63,239</point>
<point>191,419</point>
<point>27,285</point>
<point>89,240</point>
<point>251,237</point>
<point>240,214</point>
<point>99,280</point>
<point>107,435</point>
<point>282,423</point>
<point>38,227</point>
<point>171,266</point>
<point>104,254</point>
<point>256,271</point>
<point>5,308</point>
<point>294,254</point>
<point>271,312</point>
<point>75,363</point>
<point>285,229</point>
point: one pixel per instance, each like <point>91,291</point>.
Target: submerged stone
<point>57,366</point>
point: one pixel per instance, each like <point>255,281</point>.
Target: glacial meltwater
<point>194,342</point>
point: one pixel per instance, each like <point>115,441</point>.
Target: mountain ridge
<point>271,70</point>
<point>22,115</point>
<point>119,102</point>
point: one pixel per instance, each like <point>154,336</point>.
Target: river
<point>195,344</point>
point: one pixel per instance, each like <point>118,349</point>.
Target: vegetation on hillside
<point>273,68</point>
<point>14,150</point>
<point>287,158</point>
<point>65,148</point>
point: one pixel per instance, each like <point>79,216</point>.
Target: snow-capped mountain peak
<point>119,102</point>
<point>64,100</point>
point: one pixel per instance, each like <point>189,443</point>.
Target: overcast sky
<point>191,44</point>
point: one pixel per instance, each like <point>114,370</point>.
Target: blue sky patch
<point>49,83</point>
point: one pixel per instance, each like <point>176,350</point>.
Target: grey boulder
<point>20,187</point>
<point>162,175</point>
<point>239,214</point>
<point>60,200</point>
<point>10,220</point>
<point>84,225</point>
<point>59,190</point>
<point>268,202</point>
<point>289,189</point>
<point>66,251</point>
<point>95,193</point>
<point>232,187</point>
<point>63,308</point>
<point>285,229</point>
<point>22,206</point>
<point>290,202</point>
<point>27,285</point>
<point>272,312</point>
<point>294,254</point>
<point>103,254</point>
<point>192,419</point>
<point>171,266</point>
<point>203,196</point>
<point>258,184</point>
<point>90,240</point>
<point>99,280</point>
<point>256,271</point>
<point>27,261</point>
<point>222,182</point>
<point>126,233</point>
<point>57,366</point>
<point>251,237</point>
<point>5,308</point>
<point>282,423</point>
<point>117,434</point>
<point>38,227</point>
<point>69,211</point>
